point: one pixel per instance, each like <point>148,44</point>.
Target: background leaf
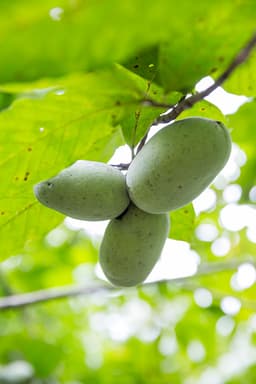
<point>77,117</point>
<point>182,223</point>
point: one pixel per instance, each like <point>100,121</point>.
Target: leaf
<point>76,117</point>
<point>6,99</point>
<point>35,349</point>
<point>242,81</point>
<point>137,122</point>
<point>87,35</point>
<point>203,109</point>
<point>182,223</point>
<point>198,44</point>
<point>144,63</point>
<point>90,35</point>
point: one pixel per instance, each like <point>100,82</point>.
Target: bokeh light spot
<point>230,305</point>
<point>225,325</point>
<point>196,351</point>
<point>206,232</point>
<point>221,246</point>
<point>203,297</point>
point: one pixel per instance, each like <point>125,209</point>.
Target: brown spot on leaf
<point>26,176</point>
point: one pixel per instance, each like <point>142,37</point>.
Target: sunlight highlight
<point>56,13</point>
<point>230,305</point>
<point>225,325</point>
<point>203,297</point>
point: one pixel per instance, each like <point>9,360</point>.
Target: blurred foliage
<point>79,79</point>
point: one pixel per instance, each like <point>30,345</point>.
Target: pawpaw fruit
<point>177,164</point>
<point>87,190</point>
<point>131,246</point>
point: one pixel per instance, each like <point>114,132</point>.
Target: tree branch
<point>26,299</point>
<point>191,100</point>
<point>188,102</point>
<point>121,166</point>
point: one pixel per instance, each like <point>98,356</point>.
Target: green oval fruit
<point>131,246</point>
<point>87,190</point>
<point>177,164</point>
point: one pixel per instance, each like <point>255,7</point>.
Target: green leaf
<point>199,44</point>
<point>182,223</point>
<point>87,35</point>
<point>6,99</point>
<point>243,80</point>
<point>203,109</point>
<point>144,63</point>
<point>35,351</point>
<point>137,122</point>
<point>76,117</point>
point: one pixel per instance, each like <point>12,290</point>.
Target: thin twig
<point>186,103</point>
<point>153,103</point>
<point>121,166</point>
<point>26,299</point>
<point>137,117</point>
<point>190,101</point>
<point>142,142</point>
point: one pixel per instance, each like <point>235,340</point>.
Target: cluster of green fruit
<point>173,168</point>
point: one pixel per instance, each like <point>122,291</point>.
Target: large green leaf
<point>199,43</point>
<point>49,39</point>
<point>74,118</point>
<point>205,109</point>
<point>182,223</point>
<point>195,38</point>
<point>137,122</point>
<point>243,79</point>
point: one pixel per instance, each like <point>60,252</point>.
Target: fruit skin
<point>131,246</point>
<point>87,190</point>
<point>177,164</point>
